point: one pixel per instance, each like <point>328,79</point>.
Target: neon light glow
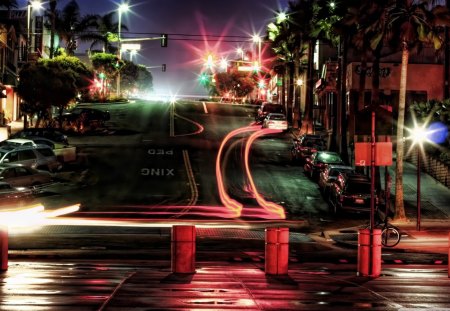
<point>270,207</point>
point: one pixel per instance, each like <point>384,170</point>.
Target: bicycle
<point>390,234</point>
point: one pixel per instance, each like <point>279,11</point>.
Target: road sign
<point>383,154</point>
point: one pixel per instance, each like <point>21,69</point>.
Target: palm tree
<point>52,16</point>
<point>8,4</point>
<point>411,24</point>
<point>289,48</point>
<point>71,26</point>
<point>105,30</point>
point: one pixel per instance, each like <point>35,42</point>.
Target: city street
<point>114,254</point>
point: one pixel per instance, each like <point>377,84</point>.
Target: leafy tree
<point>144,81</point>
<point>82,74</point>
<point>106,66</point>
<point>37,85</point>
<point>235,83</point>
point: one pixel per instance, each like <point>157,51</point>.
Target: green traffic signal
<point>164,39</point>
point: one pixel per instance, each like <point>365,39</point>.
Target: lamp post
<point>419,136</point>
<point>122,8</point>
<point>30,6</point>
<point>257,39</point>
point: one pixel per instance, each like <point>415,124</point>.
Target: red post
<point>369,253</point>
<point>277,251</point>
<point>183,249</point>
<point>3,248</point>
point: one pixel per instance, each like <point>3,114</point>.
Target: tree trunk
<point>52,31</point>
<point>307,124</point>
<point>399,204</point>
<point>290,97</point>
<point>343,143</point>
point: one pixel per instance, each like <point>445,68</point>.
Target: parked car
<point>82,118</point>
<point>306,145</point>
<point>276,121</point>
<point>267,108</point>
<point>49,133</point>
<point>23,176</point>
<point>351,192</point>
<point>38,157</point>
<point>318,161</point>
<point>9,192</point>
<point>18,142</point>
<point>329,175</point>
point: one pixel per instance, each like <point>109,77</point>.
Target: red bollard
<point>183,249</point>
<point>277,251</point>
<point>369,253</point>
<point>3,248</point>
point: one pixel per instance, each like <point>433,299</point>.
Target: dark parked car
<point>329,175</point>
<point>48,133</point>
<point>267,108</point>
<point>351,192</point>
<point>82,119</point>
<point>306,145</point>
<point>318,161</point>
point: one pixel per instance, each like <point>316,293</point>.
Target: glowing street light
<point>33,5</point>
<point>223,64</point>
<point>281,17</point>
<point>240,51</point>
<point>257,39</point>
<point>122,8</point>
<point>419,135</point>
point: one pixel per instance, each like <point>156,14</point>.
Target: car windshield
<point>329,158</point>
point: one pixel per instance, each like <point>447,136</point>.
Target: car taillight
<point>313,150</point>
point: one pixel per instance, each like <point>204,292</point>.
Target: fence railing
<point>433,166</point>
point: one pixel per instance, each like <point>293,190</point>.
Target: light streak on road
<point>226,200</point>
<point>271,207</point>
<point>29,218</point>
<point>205,109</point>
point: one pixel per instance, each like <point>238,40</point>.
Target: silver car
<point>38,157</point>
<point>22,176</point>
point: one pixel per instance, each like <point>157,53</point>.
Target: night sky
<point>202,27</point>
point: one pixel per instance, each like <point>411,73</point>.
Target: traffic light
<point>164,38</point>
<point>163,67</point>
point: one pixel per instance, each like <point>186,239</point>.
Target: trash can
<point>369,252</point>
<point>183,249</point>
<point>277,251</point>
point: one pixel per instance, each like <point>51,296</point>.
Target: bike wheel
<point>390,236</point>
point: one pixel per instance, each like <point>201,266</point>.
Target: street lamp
<point>241,52</point>
<point>122,8</point>
<point>419,135</point>
<point>31,5</point>
<point>257,39</point>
